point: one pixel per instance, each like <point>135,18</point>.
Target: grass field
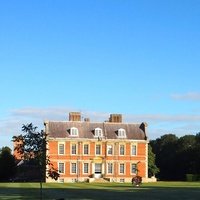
<point>102,191</point>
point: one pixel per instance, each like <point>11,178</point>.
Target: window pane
<point>121,149</point>
<point>110,168</point>
<point>98,149</point>
<point>110,149</point>
<point>61,167</point>
<point>133,168</point>
<point>61,149</point>
<point>74,132</point>
<point>133,149</point>
<point>86,148</point>
<point>86,168</point>
<point>73,170</point>
<point>121,169</point>
<point>74,149</point>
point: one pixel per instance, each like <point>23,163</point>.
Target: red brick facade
<point>118,153</point>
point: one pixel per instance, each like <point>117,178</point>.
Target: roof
<point>61,129</point>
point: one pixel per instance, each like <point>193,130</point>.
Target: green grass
<point>101,191</point>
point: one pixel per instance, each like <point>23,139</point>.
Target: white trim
<point>98,133</point>
<point>100,149</point>
<point>71,144</point>
<point>112,147</point>
<point>136,149</point>
<point>88,167</point>
<point>60,162</point>
<point>107,168</point>
<point>131,168</point>
<point>124,168</point>
<point>124,149</point>
<point>59,148</point>
<point>121,133</point>
<point>88,148</point>
<point>71,167</point>
<point>74,132</point>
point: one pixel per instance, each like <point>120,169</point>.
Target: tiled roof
<point>86,129</point>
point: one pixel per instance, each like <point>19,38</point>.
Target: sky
<point>139,58</point>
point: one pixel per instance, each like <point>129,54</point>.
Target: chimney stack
<point>116,118</point>
<point>74,116</point>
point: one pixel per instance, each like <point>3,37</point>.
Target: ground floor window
<point>133,168</point>
<point>61,167</point>
<point>110,168</point>
<point>121,168</point>
<point>73,168</point>
<point>85,168</point>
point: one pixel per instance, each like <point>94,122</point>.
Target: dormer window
<point>98,132</point>
<point>121,133</point>
<point>74,132</point>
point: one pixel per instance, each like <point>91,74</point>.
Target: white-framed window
<point>73,168</point>
<point>98,132</point>
<point>121,133</point>
<point>121,149</point>
<point>121,168</point>
<point>109,168</point>
<point>133,168</point>
<point>86,149</point>
<point>61,167</point>
<point>74,132</point>
<point>61,148</point>
<point>133,149</point>
<point>109,149</point>
<point>98,149</point>
<point>73,149</point>
<point>85,168</point>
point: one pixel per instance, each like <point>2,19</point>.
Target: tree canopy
<point>32,146</point>
<point>7,164</point>
<point>176,157</point>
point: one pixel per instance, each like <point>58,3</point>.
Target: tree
<point>165,150</point>
<point>152,168</point>
<point>33,147</point>
<point>7,164</point>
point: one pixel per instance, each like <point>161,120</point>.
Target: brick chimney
<point>74,116</point>
<point>116,118</point>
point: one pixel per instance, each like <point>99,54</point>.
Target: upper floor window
<point>109,149</point>
<point>73,149</point>
<point>121,133</point>
<point>61,148</point>
<point>74,131</point>
<point>86,149</point>
<point>121,149</point>
<point>98,132</point>
<point>98,149</point>
<point>133,150</point>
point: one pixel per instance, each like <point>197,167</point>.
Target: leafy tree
<point>7,164</point>
<point>165,150</point>
<point>152,168</point>
<point>33,147</point>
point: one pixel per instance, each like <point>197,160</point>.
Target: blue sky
<point>139,58</point>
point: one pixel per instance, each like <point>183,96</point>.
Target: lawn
<point>102,191</point>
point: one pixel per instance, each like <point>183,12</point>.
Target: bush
<point>192,177</point>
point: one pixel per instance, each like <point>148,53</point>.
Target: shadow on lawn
<point>109,193</point>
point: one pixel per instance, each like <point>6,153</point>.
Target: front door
<point>97,170</point>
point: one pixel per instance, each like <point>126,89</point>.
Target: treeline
<point>176,157</point>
